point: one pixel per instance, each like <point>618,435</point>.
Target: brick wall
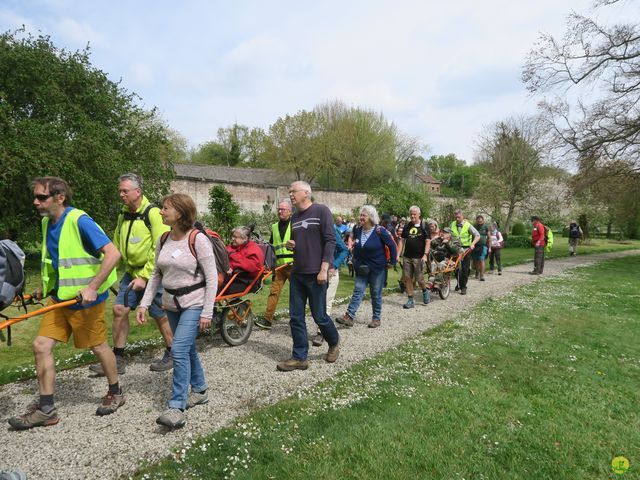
<point>253,197</point>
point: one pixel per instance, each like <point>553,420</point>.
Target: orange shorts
<point>87,325</point>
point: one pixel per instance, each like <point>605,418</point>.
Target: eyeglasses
<point>283,209</point>
<point>295,191</point>
<point>41,197</point>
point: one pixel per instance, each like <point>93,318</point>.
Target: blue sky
<point>439,70</point>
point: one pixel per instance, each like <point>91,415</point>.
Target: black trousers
<point>463,271</point>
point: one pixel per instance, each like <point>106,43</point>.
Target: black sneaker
<point>463,291</point>
<point>263,323</point>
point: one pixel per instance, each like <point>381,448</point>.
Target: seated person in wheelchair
<point>443,247</point>
<point>245,258</point>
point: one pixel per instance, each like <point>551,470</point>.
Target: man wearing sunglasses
<point>78,261</point>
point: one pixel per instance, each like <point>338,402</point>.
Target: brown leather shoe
<point>374,324</point>
<point>292,364</point>
<point>333,353</point>
<point>345,320</point>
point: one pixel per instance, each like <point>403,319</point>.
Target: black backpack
<point>269,255</point>
<point>11,272</point>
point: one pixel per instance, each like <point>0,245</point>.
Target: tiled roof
<point>217,173</point>
<point>426,178</point>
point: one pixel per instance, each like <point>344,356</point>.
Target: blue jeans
<point>303,286</point>
<point>187,369</point>
<point>375,280</point>
<point>134,297</point>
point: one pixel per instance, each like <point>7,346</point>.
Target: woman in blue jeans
<point>190,283</point>
<point>373,250</point>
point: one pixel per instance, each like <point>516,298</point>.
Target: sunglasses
<point>41,197</point>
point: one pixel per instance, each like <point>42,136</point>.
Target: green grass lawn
<point>541,384</point>
<point>16,362</point>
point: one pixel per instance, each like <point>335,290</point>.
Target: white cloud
<point>78,33</point>
<point>141,74</point>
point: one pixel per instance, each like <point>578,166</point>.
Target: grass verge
<point>543,383</point>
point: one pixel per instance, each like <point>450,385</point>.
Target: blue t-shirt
<point>93,239</point>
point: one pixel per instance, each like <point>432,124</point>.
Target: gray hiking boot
<point>163,364</point>
<point>317,339</point>
<point>172,418</point>
<point>120,365</point>
<point>34,417</point>
<point>197,398</point>
<point>12,475</point>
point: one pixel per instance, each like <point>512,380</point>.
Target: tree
<point>396,197</point>
<point>599,67</point>
<point>223,210</point>
<point>61,116</point>
<point>294,144</point>
<point>209,153</point>
<point>458,179</point>
<point>510,156</point>
<point>612,199</point>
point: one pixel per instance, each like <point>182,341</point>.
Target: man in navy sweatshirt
<point>312,241</point>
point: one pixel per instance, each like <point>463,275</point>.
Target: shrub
<point>517,241</point>
<point>518,229</point>
<point>223,211</point>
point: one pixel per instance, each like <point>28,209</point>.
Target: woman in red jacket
<point>245,258</point>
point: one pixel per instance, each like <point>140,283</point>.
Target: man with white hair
<point>414,244</point>
<point>313,242</point>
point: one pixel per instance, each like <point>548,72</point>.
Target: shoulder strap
<point>145,216</point>
<point>163,239</point>
<point>192,242</point>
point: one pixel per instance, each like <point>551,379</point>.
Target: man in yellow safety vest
<point>280,235</point>
<point>78,261</point>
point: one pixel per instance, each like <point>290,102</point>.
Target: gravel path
<point>85,446</point>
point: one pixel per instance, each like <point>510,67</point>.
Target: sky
<point>442,71</point>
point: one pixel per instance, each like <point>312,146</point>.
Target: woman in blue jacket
<point>373,251</point>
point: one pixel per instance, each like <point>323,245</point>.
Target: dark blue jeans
<point>303,287</point>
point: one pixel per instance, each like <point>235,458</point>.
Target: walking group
<point>173,271</point>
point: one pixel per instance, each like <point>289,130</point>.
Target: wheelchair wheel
<point>445,288</point>
<point>237,323</point>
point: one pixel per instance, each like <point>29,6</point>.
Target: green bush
<point>518,241</point>
<point>518,229</point>
<point>262,222</point>
<point>223,211</point>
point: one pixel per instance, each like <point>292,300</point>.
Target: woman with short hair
<point>190,284</point>
<point>373,251</point>
<point>246,259</point>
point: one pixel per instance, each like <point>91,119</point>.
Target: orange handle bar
<point>39,311</point>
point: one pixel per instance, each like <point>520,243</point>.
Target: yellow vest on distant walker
<point>464,235</point>
<point>76,267</point>
<point>283,254</point>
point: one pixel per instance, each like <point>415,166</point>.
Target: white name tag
<point>176,254</point>
<point>134,239</point>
